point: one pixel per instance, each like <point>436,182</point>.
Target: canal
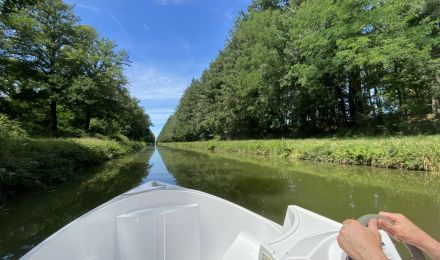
<point>266,187</point>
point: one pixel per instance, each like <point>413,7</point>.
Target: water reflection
<point>263,186</point>
<point>268,187</point>
<point>31,218</point>
<point>159,171</point>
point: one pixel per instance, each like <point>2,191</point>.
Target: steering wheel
<point>416,254</point>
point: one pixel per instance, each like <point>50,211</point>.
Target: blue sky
<point>169,42</point>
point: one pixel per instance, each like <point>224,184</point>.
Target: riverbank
<point>32,163</point>
<point>411,153</point>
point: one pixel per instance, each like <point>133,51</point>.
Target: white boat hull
<point>159,221</point>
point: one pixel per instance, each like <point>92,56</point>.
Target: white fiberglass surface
<point>223,226</point>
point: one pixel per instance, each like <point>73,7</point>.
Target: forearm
<point>431,247</point>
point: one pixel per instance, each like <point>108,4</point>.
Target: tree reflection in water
<point>339,192</point>
<point>29,219</point>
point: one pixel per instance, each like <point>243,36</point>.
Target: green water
<point>28,219</point>
<point>264,186</point>
<point>339,192</point>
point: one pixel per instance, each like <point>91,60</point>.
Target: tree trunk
<point>355,95</point>
<point>400,88</point>
<point>53,117</point>
<point>371,103</point>
<point>342,109</point>
<point>435,106</point>
<point>351,102</point>
<point>401,100</point>
<point>87,122</point>
<point>369,87</point>
<point>436,101</point>
<point>378,101</point>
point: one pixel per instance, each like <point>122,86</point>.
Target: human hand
<point>360,242</point>
<point>402,229</point>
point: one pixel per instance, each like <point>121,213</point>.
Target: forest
<point>304,68</point>
<point>60,78</point>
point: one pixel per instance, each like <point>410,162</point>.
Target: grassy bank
<point>27,163</point>
<point>34,163</point>
<point>411,153</point>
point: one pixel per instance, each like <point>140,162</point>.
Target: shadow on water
<point>339,192</point>
<point>30,218</point>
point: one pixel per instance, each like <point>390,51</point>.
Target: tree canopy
<point>303,68</point>
<point>61,75</point>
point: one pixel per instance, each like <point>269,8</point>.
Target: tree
<point>262,5</point>
<point>316,67</point>
<point>99,67</point>
<point>37,38</point>
<point>9,6</point>
<point>138,123</point>
<point>167,134</point>
<point>48,58</point>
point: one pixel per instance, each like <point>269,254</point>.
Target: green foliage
<point>10,129</point>
<point>167,133</point>
<point>302,68</point>
<point>100,136</point>
<point>43,162</point>
<point>132,145</point>
<point>412,153</point>
<point>121,138</point>
<point>8,6</point>
<point>50,62</point>
<point>107,149</point>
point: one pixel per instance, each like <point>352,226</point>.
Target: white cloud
<point>159,115</point>
<point>148,83</point>
<point>90,8</point>
<point>230,15</point>
<point>225,16</point>
<point>156,88</point>
<point>168,2</point>
<point>146,27</point>
<point>187,49</point>
<point>119,24</point>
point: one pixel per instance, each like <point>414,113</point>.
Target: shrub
<point>121,138</point>
<point>10,129</point>
<point>106,148</point>
<point>71,132</point>
<point>43,162</point>
<point>100,136</point>
<point>132,145</point>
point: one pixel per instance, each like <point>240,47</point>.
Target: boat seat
<point>163,233</point>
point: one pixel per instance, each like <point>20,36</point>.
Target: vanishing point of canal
<point>266,187</point>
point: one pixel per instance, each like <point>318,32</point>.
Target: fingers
<point>392,216</point>
<point>387,226</point>
<point>372,225</point>
<point>339,239</point>
<point>348,222</point>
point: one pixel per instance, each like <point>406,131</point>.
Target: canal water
<point>266,187</point>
